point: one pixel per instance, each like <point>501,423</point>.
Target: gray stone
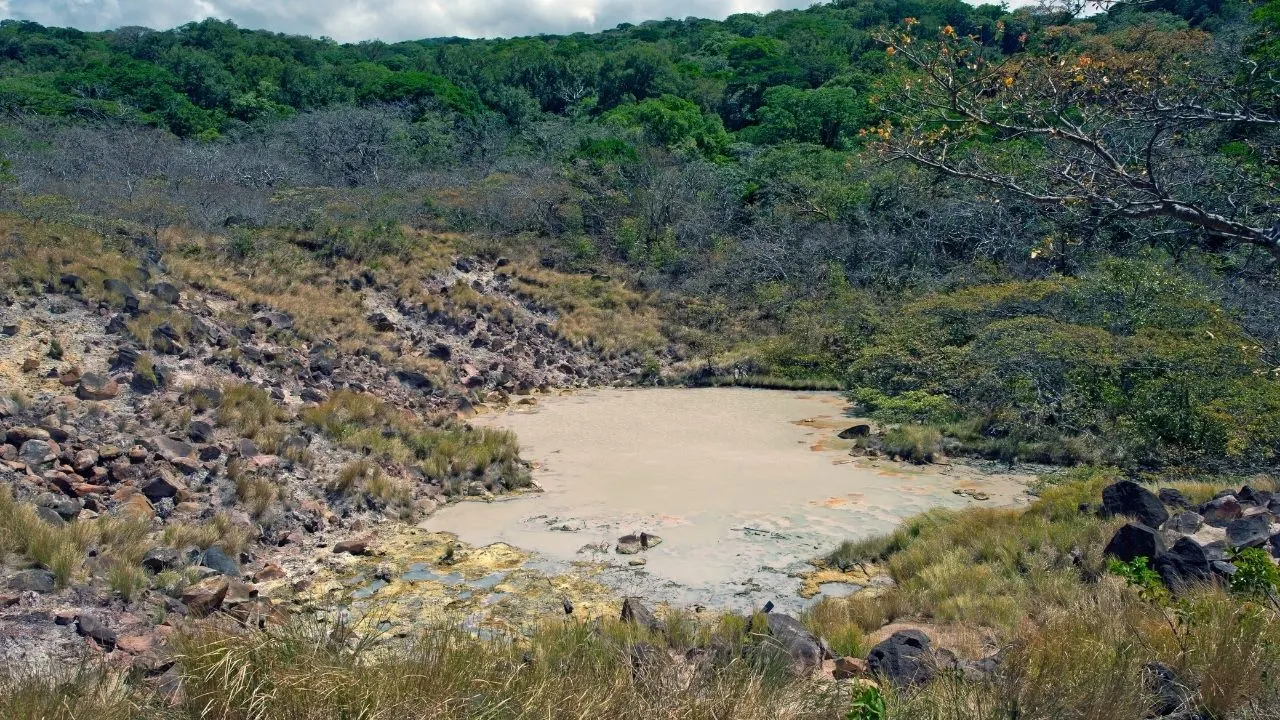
<point>41,581</point>
<point>1251,531</point>
<point>160,559</point>
<point>215,559</point>
<point>92,625</point>
<point>635,613</point>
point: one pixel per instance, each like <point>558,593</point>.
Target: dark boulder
<point>1134,541</point>
<point>200,431</point>
<point>215,559</point>
<point>1251,531</point>
<point>71,283</point>
<point>160,559</point>
<point>804,648</point>
<point>91,625</point>
<point>166,293</point>
<point>1129,499</point>
<point>1172,497</point>
<point>904,659</point>
<point>1185,564</point>
<point>635,613</point>
<point>1249,495</point>
<point>860,430</point>
<point>41,581</point>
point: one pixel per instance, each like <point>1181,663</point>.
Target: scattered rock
<point>1221,510</point>
<point>92,625</point>
<point>246,448</point>
<point>206,596</point>
<point>1249,495</point>
<point>41,581</point>
<point>904,659</point>
<point>353,546</point>
<point>635,612</point>
<point>860,430</point>
<point>160,559</point>
<point>171,449</point>
<point>1129,499</point>
<point>1250,531</point>
<point>95,386</point>
<point>1134,540</point>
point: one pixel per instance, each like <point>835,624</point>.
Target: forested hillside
<point>254,289</point>
<point>1055,236</point>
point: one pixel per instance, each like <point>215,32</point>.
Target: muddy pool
<point>743,486</point>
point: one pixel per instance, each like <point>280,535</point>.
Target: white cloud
<point>353,20</point>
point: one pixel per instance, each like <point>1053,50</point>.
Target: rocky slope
<point>171,450</point>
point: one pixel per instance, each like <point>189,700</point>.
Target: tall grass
<point>61,549</point>
<point>444,449</point>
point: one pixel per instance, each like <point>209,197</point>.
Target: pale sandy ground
<point>743,485</point>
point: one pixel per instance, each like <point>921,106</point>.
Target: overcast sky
<point>352,20</point>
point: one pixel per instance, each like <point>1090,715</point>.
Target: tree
<point>1171,130</point>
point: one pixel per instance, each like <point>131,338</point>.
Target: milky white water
<point>742,485</point>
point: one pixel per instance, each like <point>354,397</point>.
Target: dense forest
<point>1046,236</point>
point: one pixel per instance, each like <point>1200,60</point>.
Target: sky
<point>390,20</point>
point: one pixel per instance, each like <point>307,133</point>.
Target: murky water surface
<point>742,485</point>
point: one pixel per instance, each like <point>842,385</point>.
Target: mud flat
<point>742,485</point>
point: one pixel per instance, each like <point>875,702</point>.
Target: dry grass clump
<point>250,411</point>
<point>39,253</point>
<point>594,312</point>
<point>220,531</point>
<point>62,549</point>
<point>285,277</point>
<point>443,449</point>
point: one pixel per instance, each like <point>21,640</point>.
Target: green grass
<point>250,411</point>
<point>918,444</point>
<point>444,449</point>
